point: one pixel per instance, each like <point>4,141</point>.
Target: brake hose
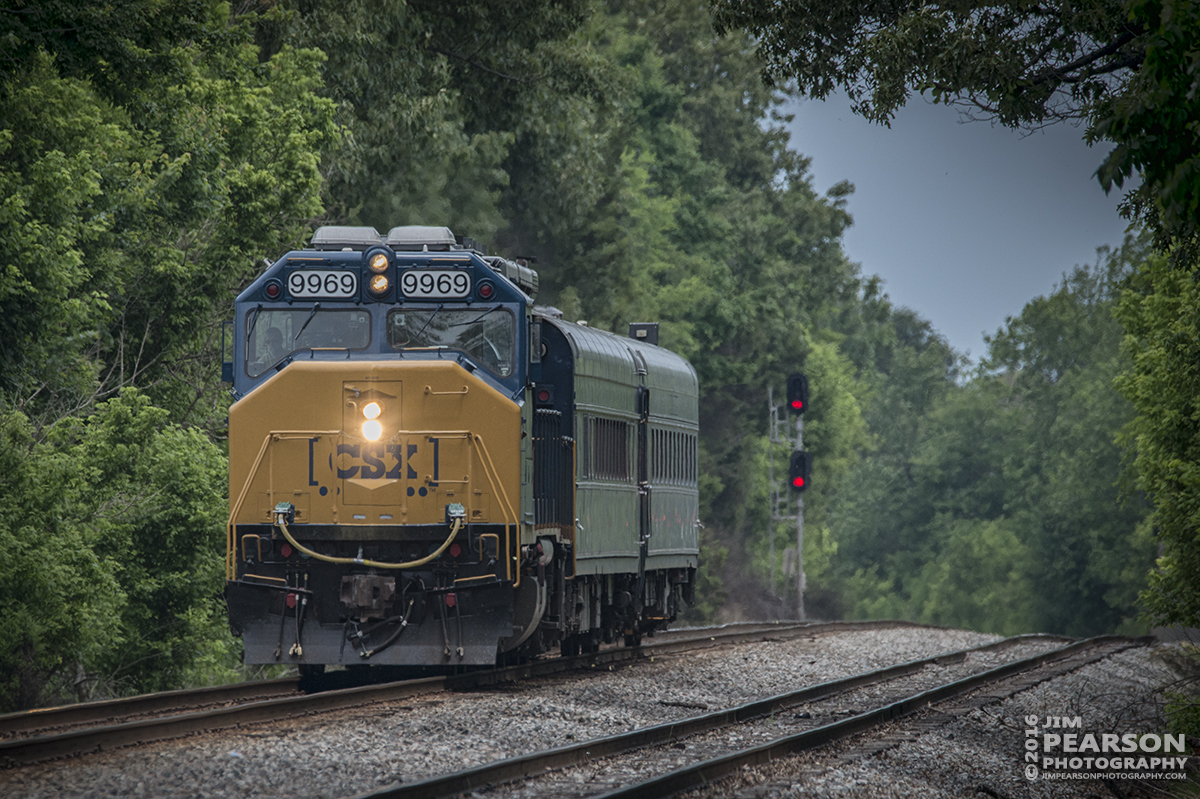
<point>412,564</point>
<point>393,637</point>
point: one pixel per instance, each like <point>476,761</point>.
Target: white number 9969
<point>435,283</point>
<point>321,283</point>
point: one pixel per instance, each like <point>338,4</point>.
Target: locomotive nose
<point>356,443</point>
<point>375,493</point>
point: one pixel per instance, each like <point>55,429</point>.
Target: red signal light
<point>486,290</point>
<point>455,550</point>
<point>272,290</point>
<point>451,600</point>
<point>797,393</point>
<point>799,470</point>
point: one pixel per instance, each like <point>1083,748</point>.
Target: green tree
<point>705,221</point>
<point>150,158</point>
<point>1126,68</point>
<point>112,529</point>
<point>1159,314</point>
<point>455,113</point>
<point>1091,545</point>
<point>152,496</point>
<point>1022,456</point>
<point>1155,123</point>
<point>149,155</point>
<point>59,601</point>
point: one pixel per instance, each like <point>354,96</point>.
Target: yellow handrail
<point>231,531</point>
<point>489,470</point>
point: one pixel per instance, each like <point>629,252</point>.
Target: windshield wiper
<point>316,307</point>
<point>253,321</point>
<point>477,318</point>
<point>427,321</point>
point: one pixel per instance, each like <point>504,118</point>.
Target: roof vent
<point>468,243</point>
<point>525,278</point>
<point>340,237</point>
<point>646,332</point>
<point>420,238</point>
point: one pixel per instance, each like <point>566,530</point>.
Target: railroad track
<point>57,719</point>
<point>40,735</point>
<point>645,763</point>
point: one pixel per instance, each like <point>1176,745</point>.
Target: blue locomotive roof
<point>417,293</point>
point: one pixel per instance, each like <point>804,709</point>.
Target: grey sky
<point>965,223</point>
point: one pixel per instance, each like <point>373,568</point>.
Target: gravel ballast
<point>981,753</point>
<point>350,752</point>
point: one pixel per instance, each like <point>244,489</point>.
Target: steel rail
<point>93,739</point>
<point>536,763</point>
<point>109,709</point>
<point>709,771</point>
<point>18,751</point>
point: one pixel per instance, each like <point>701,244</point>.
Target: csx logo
<point>378,460</point>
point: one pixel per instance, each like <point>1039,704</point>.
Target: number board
<point>309,283</point>
<point>436,284</point>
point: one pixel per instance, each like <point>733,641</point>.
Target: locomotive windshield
<point>487,335</point>
<point>275,333</point>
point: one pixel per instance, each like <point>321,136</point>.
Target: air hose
<point>412,564</point>
<point>366,653</point>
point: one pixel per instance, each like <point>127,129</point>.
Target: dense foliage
<point>152,154</point>
<point>996,502</point>
<point>1125,67</point>
<point>149,157</point>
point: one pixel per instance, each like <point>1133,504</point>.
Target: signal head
<point>797,393</point>
<point>800,471</point>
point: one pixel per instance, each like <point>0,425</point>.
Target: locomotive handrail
<point>489,470</point>
<point>231,527</point>
<point>429,390</point>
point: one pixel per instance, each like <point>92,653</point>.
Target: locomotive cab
<point>405,480</point>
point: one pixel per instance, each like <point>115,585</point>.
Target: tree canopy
<point>1000,500</point>
<point>153,154</point>
<point>1125,67</point>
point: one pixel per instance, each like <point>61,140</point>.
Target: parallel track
<point>166,702</point>
<point>515,770</point>
<point>179,713</point>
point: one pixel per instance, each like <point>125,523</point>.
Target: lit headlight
<point>379,263</point>
<point>372,410</point>
<point>372,430</point>
<point>378,284</point>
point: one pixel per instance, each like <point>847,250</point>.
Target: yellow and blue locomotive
<point>426,469</point>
